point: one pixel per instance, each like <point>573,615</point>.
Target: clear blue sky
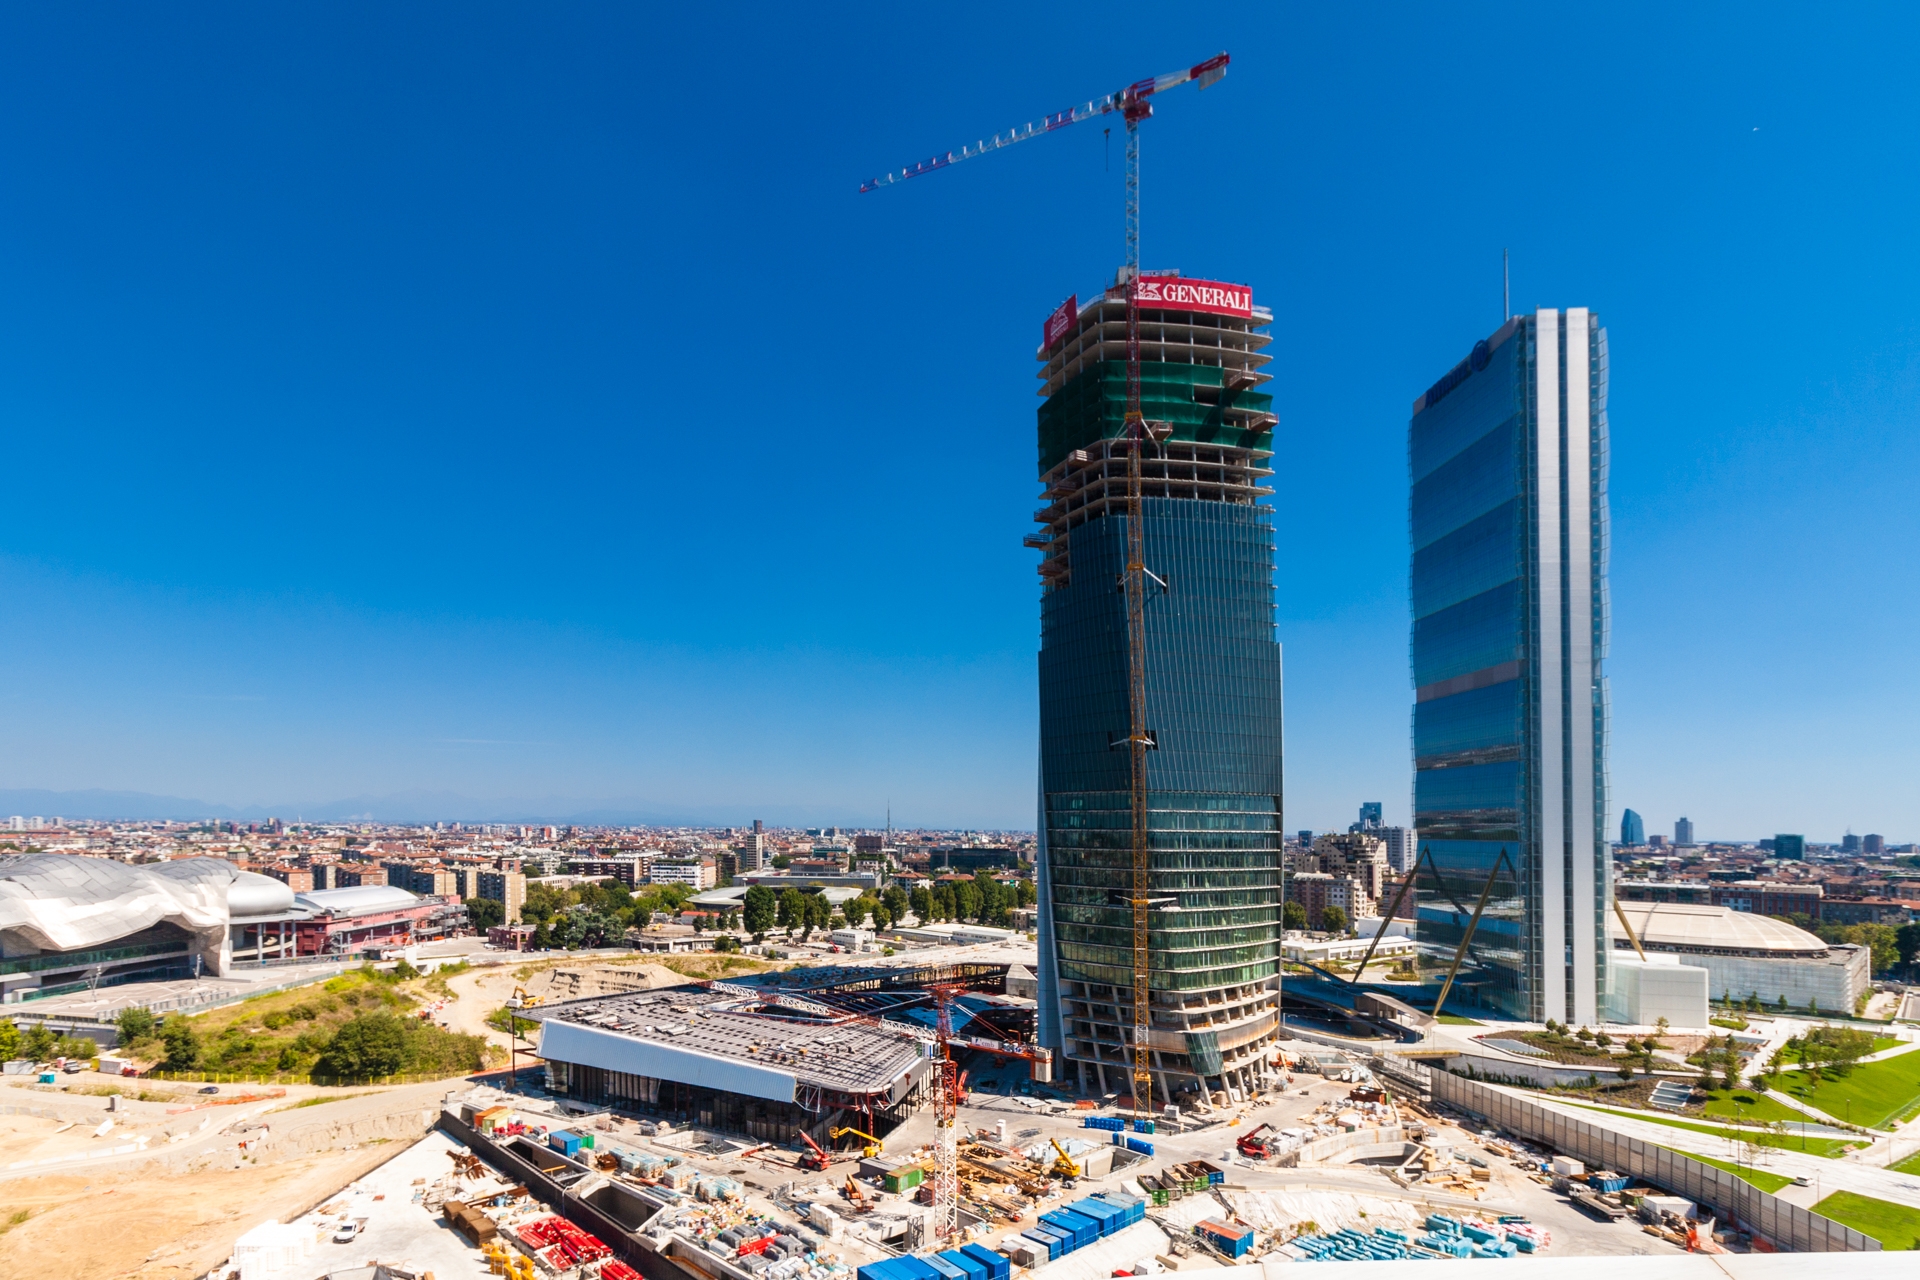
<point>522,406</point>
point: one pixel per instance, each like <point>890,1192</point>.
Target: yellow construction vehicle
<point>873,1147</point>
<point>521,1000</point>
<point>1065,1166</point>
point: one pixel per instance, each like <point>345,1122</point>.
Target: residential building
<point>629,870</point>
<point>1756,897</point>
<point>700,873</point>
<point>1213,690</point>
<point>1633,830</point>
<point>1399,848</point>
<point>509,888</point>
<point>1683,833</point>
<point>1873,844</point>
<point>1508,456</point>
<point>295,879</point>
<point>1317,890</point>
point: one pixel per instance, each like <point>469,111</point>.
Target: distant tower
<point>1683,833</point>
<point>1371,816</point>
<point>1633,830</point>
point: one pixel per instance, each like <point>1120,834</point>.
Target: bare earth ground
<point>93,1226</point>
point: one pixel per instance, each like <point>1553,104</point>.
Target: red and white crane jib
<point>1131,98</point>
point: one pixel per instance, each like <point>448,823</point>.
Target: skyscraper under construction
<point>1213,683</point>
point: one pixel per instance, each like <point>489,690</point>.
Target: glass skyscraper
<point>1508,459</point>
<point>1633,831</point>
<point>1213,691</point>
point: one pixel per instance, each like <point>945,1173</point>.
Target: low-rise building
<point>1747,955</point>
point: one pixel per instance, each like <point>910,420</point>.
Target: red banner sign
<point>1060,323</point>
<point>1196,295</point>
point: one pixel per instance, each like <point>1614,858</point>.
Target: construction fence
<point>1785,1226</point>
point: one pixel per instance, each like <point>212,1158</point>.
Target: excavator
<point>813,1158</point>
<point>874,1145</point>
<point>1065,1167</point>
<point>1251,1146</point>
<point>521,1000</point>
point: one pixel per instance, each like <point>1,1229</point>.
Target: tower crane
<point>1134,105</point>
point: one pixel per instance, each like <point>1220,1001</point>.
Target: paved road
<point>1832,1175</point>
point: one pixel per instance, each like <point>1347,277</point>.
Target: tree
<point>759,908</point>
<point>1025,892</point>
<point>372,1044</point>
<point>542,939</point>
<point>818,911</point>
<point>485,913</point>
<point>897,901</point>
<point>1293,917</point>
<point>921,900</point>
<point>183,1046</point>
<point>39,1043</point>
<point>793,909</point>
<point>135,1023</point>
<point>1906,942</point>
<point>1333,919</point>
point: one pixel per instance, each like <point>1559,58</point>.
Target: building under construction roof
<point>751,1061</point>
<point>1213,689</point>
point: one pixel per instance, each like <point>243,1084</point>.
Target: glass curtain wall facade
<point>1213,698</point>
<point>1508,461</point>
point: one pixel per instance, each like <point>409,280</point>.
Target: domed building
<point>68,922</point>
<point>1749,955</point>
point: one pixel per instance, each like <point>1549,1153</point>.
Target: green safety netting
<point>1093,406</point>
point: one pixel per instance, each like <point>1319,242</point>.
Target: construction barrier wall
<point>1783,1225</point>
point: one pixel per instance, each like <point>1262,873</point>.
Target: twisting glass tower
<point>1213,677</point>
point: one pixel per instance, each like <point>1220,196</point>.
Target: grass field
<point>1910,1165</point>
<point>1455,1020</point>
<point>1768,1182</point>
<point>1895,1226</point>
<point>1746,1105</point>
<point>1879,1092</point>
<point>1829,1148</point>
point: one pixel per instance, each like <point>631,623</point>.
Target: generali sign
<point>1196,295</point>
<point>1060,323</point>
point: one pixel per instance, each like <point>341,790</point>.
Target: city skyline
<point>366,428</point>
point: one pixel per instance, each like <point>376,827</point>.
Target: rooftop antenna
<point>1506,289</point>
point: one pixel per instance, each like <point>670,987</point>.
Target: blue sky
<point>523,407</point>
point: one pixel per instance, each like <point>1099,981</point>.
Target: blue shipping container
<point>564,1142</point>
<point>1110,1218</point>
<point>1085,1230</point>
<point>914,1268</point>
<point>1054,1242</point>
<point>948,1269</point>
<point>973,1268</point>
<point>998,1268</point>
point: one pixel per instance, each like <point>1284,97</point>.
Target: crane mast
<point>1134,105</point>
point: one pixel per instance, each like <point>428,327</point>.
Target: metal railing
<point>1786,1226</point>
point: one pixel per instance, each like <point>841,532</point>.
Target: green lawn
<point>1910,1165</point>
<point>1888,1090</point>
<point>1455,1020</point>
<point>1895,1226</point>
<point>1768,1182</point>
<point>1747,1105</point>
<point>1830,1148</point>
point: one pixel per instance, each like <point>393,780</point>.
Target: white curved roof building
<point>69,921</point>
<point>1750,955</point>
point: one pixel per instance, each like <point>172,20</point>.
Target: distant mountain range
<point>422,806</point>
<point>401,806</point>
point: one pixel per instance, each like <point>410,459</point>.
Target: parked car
<point>348,1230</point>
<point>212,1088</point>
